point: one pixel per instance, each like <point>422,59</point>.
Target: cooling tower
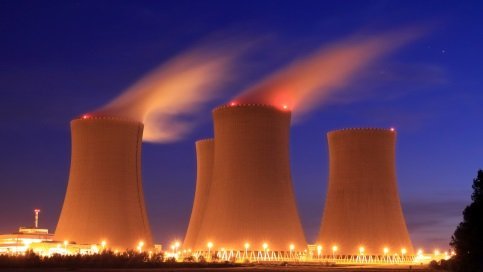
<point>251,199</point>
<point>204,168</point>
<point>104,199</point>
<point>362,207</point>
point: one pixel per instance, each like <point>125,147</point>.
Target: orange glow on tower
<point>362,204</point>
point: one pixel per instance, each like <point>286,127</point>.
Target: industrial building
<point>204,175</point>
<point>19,241</point>
<point>251,203</point>
<point>104,199</point>
<point>362,213</point>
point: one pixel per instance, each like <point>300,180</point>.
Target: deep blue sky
<point>59,59</point>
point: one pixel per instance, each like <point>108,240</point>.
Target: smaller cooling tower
<point>204,168</point>
<point>251,198</point>
<point>104,199</point>
<point>362,207</point>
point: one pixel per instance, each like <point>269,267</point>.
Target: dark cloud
<point>431,223</point>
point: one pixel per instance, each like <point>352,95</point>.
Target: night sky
<point>60,59</point>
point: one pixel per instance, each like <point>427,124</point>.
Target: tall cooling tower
<point>251,199</point>
<point>104,199</point>
<point>204,168</point>
<point>362,208</point>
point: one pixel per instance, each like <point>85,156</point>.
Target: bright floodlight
<point>247,245</point>
<point>209,245</point>
<point>386,250</point>
<point>403,251</point>
<point>361,250</point>
<point>334,248</point>
<point>292,246</point>
<point>265,246</point>
<point>319,248</point>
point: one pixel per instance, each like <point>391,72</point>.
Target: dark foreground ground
<point>251,268</point>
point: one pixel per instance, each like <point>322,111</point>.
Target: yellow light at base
<point>209,244</point>
<point>403,251</point>
<point>436,252</point>
<point>140,246</point>
<point>176,244</point>
<point>292,247</point>
<point>247,245</point>
<point>265,246</point>
<point>334,248</point>
<point>386,250</point>
<point>319,248</point>
<point>361,250</point>
<point>27,243</point>
<point>94,249</point>
<point>103,243</point>
<point>420,252</point>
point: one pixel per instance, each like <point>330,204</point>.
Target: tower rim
<point>248,105</point>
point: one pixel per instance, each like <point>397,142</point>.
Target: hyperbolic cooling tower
<point>104,199</point>
<point>362,208</point>
<point>204,168</point>
<point>251,199</point>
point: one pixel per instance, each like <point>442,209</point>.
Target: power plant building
<point>104,199</point>
<point>362,212</point>
<point>204,175</point>
<point>251,200</point>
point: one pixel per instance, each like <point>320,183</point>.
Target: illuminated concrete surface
<point>204,175</point>
<point>362,213</point>
<point>104,199</point>
<point>251,200</point>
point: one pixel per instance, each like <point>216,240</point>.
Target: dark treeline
<point>106,259</point>
<point>467,239</point>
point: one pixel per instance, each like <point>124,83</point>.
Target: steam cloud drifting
<point>167,99</point>
<point>307,82</point>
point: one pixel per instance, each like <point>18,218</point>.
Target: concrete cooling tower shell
<point>204,175</point>
<point>362,207</point>
<point>251,198</point>
<point>104,199</point>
